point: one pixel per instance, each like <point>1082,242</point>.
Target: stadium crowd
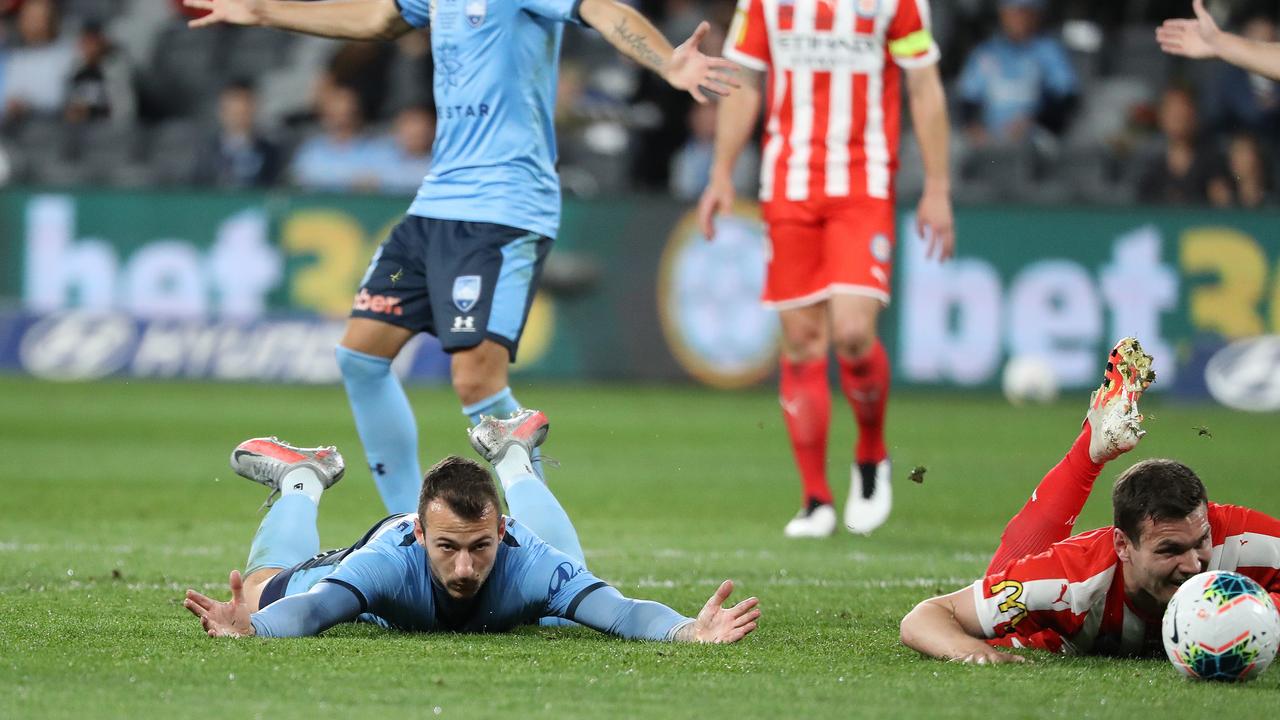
<point>1062,102</point>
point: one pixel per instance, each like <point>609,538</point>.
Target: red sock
<point>806,407</point>
<point>865,382</point>
<point>1050,514</point>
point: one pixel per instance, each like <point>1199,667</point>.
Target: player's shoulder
<point>1074,560</point>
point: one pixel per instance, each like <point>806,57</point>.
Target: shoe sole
<point>1128,372</point>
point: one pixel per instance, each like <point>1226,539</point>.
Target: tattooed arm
<point>684,67</point>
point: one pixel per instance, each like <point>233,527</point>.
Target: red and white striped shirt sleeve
<point>748,40</point>
<point>910,35</point>
<point>1247,541</point>
<point>1053,591</point>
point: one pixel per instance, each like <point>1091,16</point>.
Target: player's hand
<point>716,624</point>
<point>222,619</point>
<point>717,199</point>
<point>1196,38</point>
<point>231,12</point>
<point>936,225</point>
<point>989,656</point>
<point>697,74</point>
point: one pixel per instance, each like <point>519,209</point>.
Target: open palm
<point>222,619</point>
<point>231,12</point>
<point>1190,38</point>
<point>718,624</point>
<point>688,69</point>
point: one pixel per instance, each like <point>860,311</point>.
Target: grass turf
<point>116,496</point>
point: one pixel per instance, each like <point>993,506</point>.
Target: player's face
<point>1170,551</point>
<point>461,552</point>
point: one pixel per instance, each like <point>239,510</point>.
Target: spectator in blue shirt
<point>1017,80</point>
<point>342,157</point>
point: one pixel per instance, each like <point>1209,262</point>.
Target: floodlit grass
<point>116,496</point>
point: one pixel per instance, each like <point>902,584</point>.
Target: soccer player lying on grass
<point>456,565</point>
<point>1103,591</point>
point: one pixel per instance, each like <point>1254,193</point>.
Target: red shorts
<point>830,246</point>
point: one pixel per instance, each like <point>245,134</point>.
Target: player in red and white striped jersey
<point>836,73</point>
<point>1103,591</point>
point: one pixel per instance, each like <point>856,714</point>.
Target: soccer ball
<point>1029,379</point>
<point>1221,626</point>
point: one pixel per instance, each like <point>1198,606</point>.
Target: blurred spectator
<point>1184,171</point>
<point>1017,80</point>
<point>341,156</point>
<point>37,70</point>
<point>1249,176</point>
<point>101,87</point>
<point>238,156</point>
<point>409,160</point>
<point>1240,100</point>
<point>691,165</point>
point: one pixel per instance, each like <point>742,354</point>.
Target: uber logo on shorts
<point>464,324</point>
<point>466,292</point>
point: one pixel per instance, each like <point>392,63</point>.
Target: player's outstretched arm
<point>222,619</point>
<point>735,120</point>
<point>718,624</point>
<point>345,19</point>
<point>947,627</point>
<point>684,68</point>
<point>1201,38</point>
<point>935,221</point>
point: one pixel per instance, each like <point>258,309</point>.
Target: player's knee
<point>358,366</point>
<point>804,344</point>
<point>853,339</point>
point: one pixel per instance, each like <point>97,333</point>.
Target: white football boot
<point>491,437</point>
<point>1113,418</point>
<point>266,460</point>
<point>870,497</point>
<point>815,521</point>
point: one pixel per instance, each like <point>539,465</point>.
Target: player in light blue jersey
<point>465,262</point>
<point>455,565</point>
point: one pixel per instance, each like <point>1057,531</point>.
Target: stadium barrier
<point>254,287</point>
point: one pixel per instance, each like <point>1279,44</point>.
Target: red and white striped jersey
<point>834,96</point>
<point>1071,598</point>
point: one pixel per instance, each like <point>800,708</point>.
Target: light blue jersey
<point>387,580</point>
<point>1011,80</point>
<point>495,85</point>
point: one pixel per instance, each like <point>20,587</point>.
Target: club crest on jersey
<point>867,8</point>
<point>880,248</point>
<point>475,11</point>
<point>466,292</point>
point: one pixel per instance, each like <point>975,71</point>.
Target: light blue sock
<point>386,426</point>
<point>287,535</point>
<point>530,502</point>
<point>501,405</point>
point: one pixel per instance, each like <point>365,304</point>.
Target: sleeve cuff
<point>979,603</point>
<point>671,634</point>
<point>750,62</point>
<point>920,61</point>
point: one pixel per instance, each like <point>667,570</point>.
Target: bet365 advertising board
<point>253,287</point>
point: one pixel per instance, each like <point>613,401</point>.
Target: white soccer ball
<point>1221,625</point>
<point>1029,379</point>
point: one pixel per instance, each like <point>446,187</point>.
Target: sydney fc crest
<point>475,10</point>
<point>466,292</point>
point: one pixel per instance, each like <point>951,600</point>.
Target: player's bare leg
<point>384,419</point>
<point>1112,427</point>
<point>805,395</point>
<point>864,378</point>
<point>479,372</point>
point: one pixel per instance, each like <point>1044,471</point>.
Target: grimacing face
<point>1170,552</point>
<point>461,552</point>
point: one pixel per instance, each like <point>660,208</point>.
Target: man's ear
<point>502,527</point>
<point>419,533</point>
<point>1123,547</point>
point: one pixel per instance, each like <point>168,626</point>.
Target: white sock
<point>514,467</point>
<point>302,480</point>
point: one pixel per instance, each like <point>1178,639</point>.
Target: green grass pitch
<point>114,497</point>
